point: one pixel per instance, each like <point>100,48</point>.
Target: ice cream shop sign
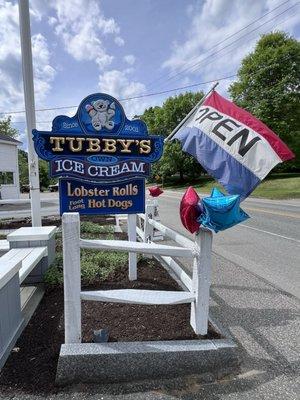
<point>101,157</point>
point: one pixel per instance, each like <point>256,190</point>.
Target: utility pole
<point>27,70</point>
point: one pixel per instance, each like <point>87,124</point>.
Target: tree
<point>6,128</point>
<point>268,86</point>
<point>45,179</point>
<point>23,167</point>
<point>162,120</point>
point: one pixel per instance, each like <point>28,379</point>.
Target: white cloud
<point>118,84</point>
<point>82,33</point>
<point>129,59</point>
<point>119,41</point>
<point>52,21</point>
<point>11,87</point>
<point>44,73</point>
<point>213,21</point>
<point>11,84</point>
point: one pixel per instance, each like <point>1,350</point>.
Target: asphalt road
<point>268,244</point>
<point>262,319</point>
<point>49,203</point>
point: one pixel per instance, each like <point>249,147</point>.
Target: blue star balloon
<point>221,212</point>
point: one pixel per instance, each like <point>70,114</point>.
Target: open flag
<point>231,144</point>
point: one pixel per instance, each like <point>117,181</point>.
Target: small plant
<point>96,266</point>
<point>54,274</point>
<point>91,227</point>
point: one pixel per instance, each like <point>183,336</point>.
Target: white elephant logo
<point>101,113</point>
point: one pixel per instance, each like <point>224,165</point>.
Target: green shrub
<point>91,227</point>
<point>95,266</point>
<point>54,274</point>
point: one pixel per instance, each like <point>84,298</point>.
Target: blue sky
<point>129,48</point>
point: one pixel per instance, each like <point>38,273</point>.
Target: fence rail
<point>197,287</point>
<point>136,247</point>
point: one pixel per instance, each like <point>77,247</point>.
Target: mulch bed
<point>31,367</point>
<point>53,220</point>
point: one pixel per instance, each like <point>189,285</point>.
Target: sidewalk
<point>263,320</point>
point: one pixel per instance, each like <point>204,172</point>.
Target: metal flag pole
<point>190,113</point>
<point>33,165</point>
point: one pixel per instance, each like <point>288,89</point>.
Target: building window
<point>6,178</point>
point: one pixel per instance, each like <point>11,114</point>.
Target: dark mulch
<point>53,220</point>
<point>32,365</point>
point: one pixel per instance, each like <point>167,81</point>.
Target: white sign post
<point>33,166</point>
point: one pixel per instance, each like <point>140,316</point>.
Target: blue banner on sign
<point>93,198</point>
<point>95,171</point>
<point>99,133</point>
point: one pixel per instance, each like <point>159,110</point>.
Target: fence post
<point>72,275</point>
<point>201,281</point>
<point>131,225</point>
<point>148,229</point>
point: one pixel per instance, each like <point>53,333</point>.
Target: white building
<point>9,168</point>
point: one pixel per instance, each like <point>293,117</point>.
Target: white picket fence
<point>197,287</point>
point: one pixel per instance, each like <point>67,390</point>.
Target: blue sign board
<point>96,151</point>
<point>88,198</point>
<point>99,134</point>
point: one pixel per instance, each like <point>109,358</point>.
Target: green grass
<point>277,186</point>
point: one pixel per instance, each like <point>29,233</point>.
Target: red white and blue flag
<point>231,144</point>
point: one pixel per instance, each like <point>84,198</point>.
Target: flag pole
<point>190,113</point>
<point>33,165</point>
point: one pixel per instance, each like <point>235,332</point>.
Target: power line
<point>169,90</point>
<point>228,45</point>
<point>132,98</point>
<point>224,40</point>
<point>230,50</point>
<point>180,88</point>
<point>145,95</point>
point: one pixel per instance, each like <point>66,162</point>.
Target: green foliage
<point>162,120</point>
<point>45,179</point>
<point>44,174</point>
<point>91,227</point>
<point>96,266</point>
<point>6,128</point>
<point>23,167</point>
<point>268,86</point>
<point>54,275</point>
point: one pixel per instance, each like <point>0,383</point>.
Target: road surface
<point>268,244</point>
<point>263,320</point>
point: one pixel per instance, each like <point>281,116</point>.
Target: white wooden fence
<point>197,287</point>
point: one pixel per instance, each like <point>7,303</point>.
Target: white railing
<point>197,287</point>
